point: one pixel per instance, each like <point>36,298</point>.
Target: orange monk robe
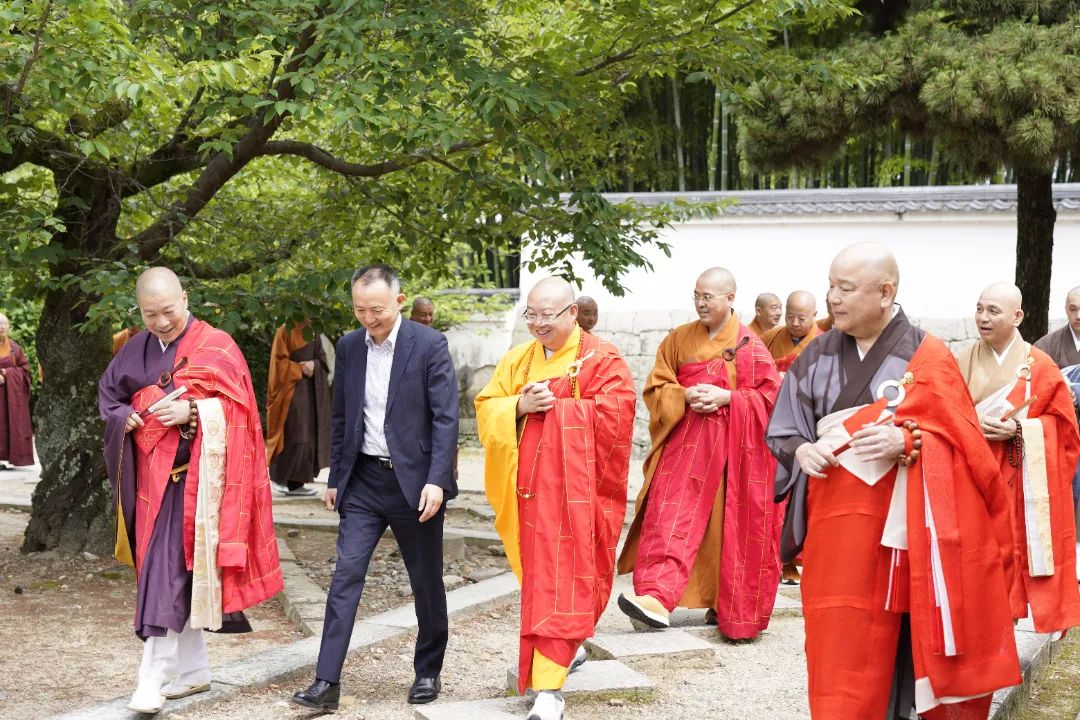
<point>280,383</point>
<point>1051,441</point>
<point>121,338</point>
<point>755,327</point>
<point>783,349</point>
<point>560,509</point>
<point>824,324</point>
<point>666,400</point>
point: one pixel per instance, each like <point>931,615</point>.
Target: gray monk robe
<point>1060,345</point>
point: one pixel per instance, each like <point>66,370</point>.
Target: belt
<point>178,472</point>
<point>383,462</point>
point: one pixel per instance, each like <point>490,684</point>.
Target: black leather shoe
<point>424,690</point>
<point>321,696</point>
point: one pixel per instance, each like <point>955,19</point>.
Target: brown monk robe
<point>16,435</point>
<point>297,409</point>
<point>767,310</point>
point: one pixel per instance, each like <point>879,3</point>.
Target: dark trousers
<point>372,501</point>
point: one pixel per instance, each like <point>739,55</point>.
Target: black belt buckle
<point>383,462</point>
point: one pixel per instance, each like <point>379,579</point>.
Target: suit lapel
<point>406,339</point>
<point>359,369</point>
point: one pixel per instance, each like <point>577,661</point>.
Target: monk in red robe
<point>898,507</point>
<point>556,422</point>
<point>16,434</point>
<point>705,531</point>
<point>1026,414</point>
<point>184,450</point>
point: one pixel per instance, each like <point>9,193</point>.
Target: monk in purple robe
<point>16,435</point>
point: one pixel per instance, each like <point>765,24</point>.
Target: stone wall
<point>477,346</point>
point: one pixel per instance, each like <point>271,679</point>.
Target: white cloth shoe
<point>188,684</point>
<point>549,705</point>
<point>579,659</point>
<point>147,699</point>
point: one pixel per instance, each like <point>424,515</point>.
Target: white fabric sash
<point>831,435</point>
<point>206,604</point>
<point>1036,486</point>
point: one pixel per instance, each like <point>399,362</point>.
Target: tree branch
<point>109,115</point>
<point>324,159</point>
<point>202,271</point>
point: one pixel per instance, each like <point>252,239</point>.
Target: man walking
<point>393,435</point>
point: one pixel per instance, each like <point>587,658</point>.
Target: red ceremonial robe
<point>1054,599</point>
<point>571,485</point>
<point>853,586</point>
<point>701,451</point>
<point>16,433</point>
<point>247,550</point>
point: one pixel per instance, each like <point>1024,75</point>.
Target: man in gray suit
<point>393,438</point>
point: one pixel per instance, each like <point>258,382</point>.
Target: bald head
<point>587,312</point>
<point>551,313</point>
<point>998,313</point>
<point>863,280</point>
<point>157,281</point>
<point>162,302</point>
<point>422,311</point>
<point>714,294</point>
<point>799,314</point>
<point>766,299</point>
<point>1072,309</point>
<point>718,277</point>
<point>767,311</point>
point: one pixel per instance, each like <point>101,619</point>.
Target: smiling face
<point>767,311</point>
<point>164,314</point>
<point>551,297</point>
<point>998,314</point>
<point>714,294</point>
<point>377,307</point>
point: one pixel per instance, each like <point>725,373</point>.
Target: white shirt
<point>380,358</point>
<point>1000,357</point>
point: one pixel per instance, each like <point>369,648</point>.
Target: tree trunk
<point>1035,217</point>
<point>714,141</point>
<point>71,505</point>
<point>678,133</point>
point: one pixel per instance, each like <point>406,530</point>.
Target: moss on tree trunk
<point>71,504</point>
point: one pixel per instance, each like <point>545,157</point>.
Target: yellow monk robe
<point>783,348</point>
<point>559,514</point>
<point>666,400</point>
<point>825,324</point>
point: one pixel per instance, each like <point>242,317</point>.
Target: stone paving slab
<point>597,679</point>
<point>497,709</point>
<point>1036,651</point>
<point>117,709</point>
<point>474,598</point>
<point>672,643</point>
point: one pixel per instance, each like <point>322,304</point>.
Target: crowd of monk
<point>930,499</point>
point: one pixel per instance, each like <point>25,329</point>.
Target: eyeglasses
<point>546,319</point>
<point>704,297</point>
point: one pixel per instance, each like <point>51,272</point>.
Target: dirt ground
<point>387,584</point>
<point>68,621</point>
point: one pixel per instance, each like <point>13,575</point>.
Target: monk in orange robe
<point>898,507</point>
<point>297,409</point>
<point>785,342</point>
<point>556,422</point>
<point>705,531</point>
<point>767,310</point>
<point>1026,413</point>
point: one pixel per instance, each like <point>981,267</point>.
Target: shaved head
<point>998,313</point>
<point>765,299</point>
<point>553,312</point>
<point>423,311</point>
<point>1072,309</point>
<point>718,277</point>
<point>157,281</point>
<point>799,314</point>
<point>863,280</point>
<point>714,294</point>
<point>802,300</point>
<point>162,303</point>
<point>588,312</point>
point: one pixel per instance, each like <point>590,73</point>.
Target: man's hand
<point>330,497</point>
<point>994,429</point>
<point>177,412</point>
<point>307,368</point>
<point>814,460</point>
<point>880,442</point>
<point>133,421</point>
<point>431,498</point>
<point>3,377</point>
<point>707,398</point>
<point>535,397</point>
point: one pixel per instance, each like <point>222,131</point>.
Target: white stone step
<point>497,709</point>
<point>598,679</point>
<point>669,643</point>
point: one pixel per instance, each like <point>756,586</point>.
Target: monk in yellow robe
<point>556,422</point>
<point>785,342</point>
<point>767,310</point>
<point>706,531</point>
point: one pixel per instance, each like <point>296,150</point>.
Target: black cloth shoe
<point>424,690</point>
<point>321,696</point>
